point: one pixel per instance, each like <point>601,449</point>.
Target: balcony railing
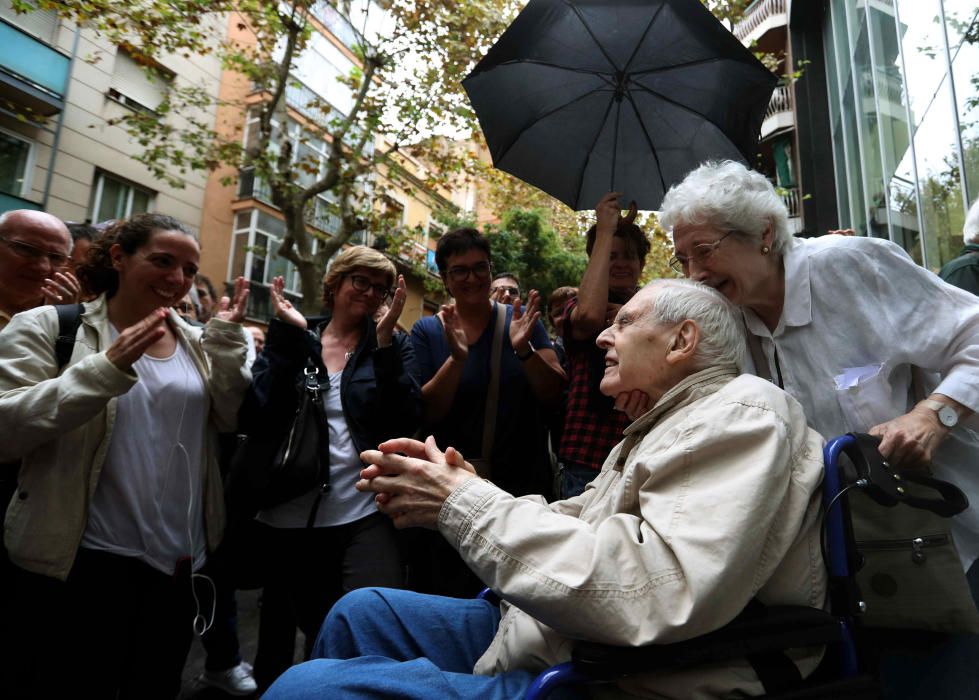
<point>757,14</point>
<point>319,213</point>
<point>781,101</point>
<point>792,200</point>
<point>33,73</point>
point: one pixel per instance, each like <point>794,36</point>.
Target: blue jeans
<point>381,642</point>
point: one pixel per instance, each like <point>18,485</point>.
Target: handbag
<point>908,572</point>
<point>275,468</point>
<point>908,569</point>
<point>483,464</point>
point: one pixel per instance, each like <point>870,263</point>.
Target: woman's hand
<point>911,439</point>
<point>283,308</point>
<point>133,341</point>
<point>455,336</point>
<point>61,288</point>
<point>234,310</point>
<point>385,326</point>
<point>633,403</point>
<point>522,323</point>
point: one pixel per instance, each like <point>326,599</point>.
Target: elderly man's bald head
<point>33,246</point>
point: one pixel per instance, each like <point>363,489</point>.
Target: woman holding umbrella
<point>850,326</point>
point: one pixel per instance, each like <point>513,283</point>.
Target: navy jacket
<point>378,392</point>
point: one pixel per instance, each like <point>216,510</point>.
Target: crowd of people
<point>639,474</point>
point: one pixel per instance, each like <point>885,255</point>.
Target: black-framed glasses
<point>460,273</point>
<point>184,308</point>
<point>32,252</point>
<point>699,254</point>
<point>363,284</point>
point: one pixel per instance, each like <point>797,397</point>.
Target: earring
<point>764,250</point>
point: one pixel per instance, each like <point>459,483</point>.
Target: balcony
<point>338,25</point>
<point>320,213</point>
<point>760,18</point>
<point>793,202</point>
<point>9,202</point>
<point>32,74</point>
<point>779,116</point>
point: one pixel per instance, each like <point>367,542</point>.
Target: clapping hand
<point>455,335</point>
<point>133,341</point>
<point>385,326</point>
<point>522,323</point>
<point>61,288</point>
<point>283,308</point>
<point>234,310</point>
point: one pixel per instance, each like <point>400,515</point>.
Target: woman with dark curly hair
<point>119,497</point>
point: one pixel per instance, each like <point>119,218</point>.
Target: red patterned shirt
<point>592,427</point>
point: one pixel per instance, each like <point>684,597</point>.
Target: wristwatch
<point>946,414</point>
<point>527,355</point>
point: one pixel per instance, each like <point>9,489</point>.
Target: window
<point>116,198</point>
<point>42,24</point>
<point>16,164</point>
<point>136,87</point>
<point>254,254</point>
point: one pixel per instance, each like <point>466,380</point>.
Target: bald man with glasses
<point>35,249</point>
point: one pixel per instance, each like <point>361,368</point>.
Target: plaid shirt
<point>592,427</point>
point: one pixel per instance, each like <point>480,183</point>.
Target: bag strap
<point>887,487</point>
<point>69,319</point>
<point>312,392</point>
<point>493,390</point>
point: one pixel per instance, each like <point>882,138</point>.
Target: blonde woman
<point>320,546</point>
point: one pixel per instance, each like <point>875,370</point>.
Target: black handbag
<point>270,469</point>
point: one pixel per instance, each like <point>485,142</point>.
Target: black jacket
<point>378,392</point>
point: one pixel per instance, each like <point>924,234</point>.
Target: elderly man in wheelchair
<point>711,502</point>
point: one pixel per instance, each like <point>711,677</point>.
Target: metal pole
<point>964,182</point>
<point>61,121</point>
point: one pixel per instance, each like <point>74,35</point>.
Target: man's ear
<point>686,338</point>
<point>115,254</point>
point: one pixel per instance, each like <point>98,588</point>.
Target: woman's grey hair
<point>729,197</point>
<point>970,231</point>
<point>722,338</point>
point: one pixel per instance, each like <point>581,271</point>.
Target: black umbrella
<point>583,97</point>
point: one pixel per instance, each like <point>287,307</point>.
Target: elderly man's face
<point>505,290</point>
<point>636,350</point>
<point>33,246</point>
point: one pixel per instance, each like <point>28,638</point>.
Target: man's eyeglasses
<point>363,284</point>
<point>461,273</point>
<point>32,252</point>
<point>699,254</point>
<point>512,291</point>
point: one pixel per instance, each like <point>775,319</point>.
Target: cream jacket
<point>711,499</point>
<point>60,426</point>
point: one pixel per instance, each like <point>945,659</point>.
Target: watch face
<point>948,416</point>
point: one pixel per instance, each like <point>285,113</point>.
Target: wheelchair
<point>762,634</point>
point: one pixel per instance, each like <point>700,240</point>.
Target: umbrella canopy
<point>583,97</point>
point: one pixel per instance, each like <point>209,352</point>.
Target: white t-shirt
<point>148,500</point>
<point>344,503</point>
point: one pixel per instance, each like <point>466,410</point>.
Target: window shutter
<point>130,80</point>
<point>42,23</point>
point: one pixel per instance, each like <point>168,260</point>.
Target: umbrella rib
<point>652,148</point>
<point>520,133</point>
<point>643,37</point>
<point>591,148</point>
<point>515,61</point>
<point>615,145</point>
<point>681,106</point>
<point>601,48</point>
<point>698,62</point>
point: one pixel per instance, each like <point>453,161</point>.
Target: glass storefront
<point>904,114</point>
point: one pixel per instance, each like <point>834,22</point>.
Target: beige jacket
<point>712,499</point>
<point>60,426</point>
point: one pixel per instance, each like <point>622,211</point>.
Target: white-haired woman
<point>317,546</point>
<point>863,337</point>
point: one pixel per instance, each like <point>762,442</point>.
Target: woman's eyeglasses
<point>699,254</point>
<point>32,252</point>
<point>461,273</point>
<point>363,284</point>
